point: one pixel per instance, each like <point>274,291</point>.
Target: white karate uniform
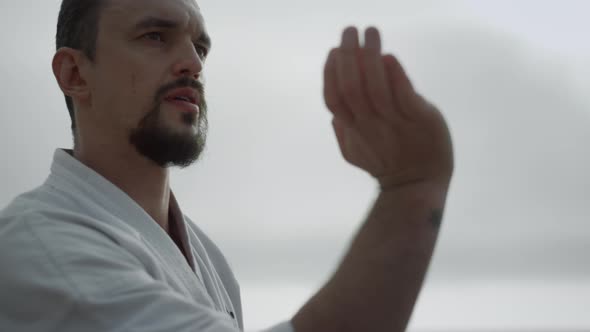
<point>77,254</point>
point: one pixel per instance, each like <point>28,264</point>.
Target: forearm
<point>378,281</point>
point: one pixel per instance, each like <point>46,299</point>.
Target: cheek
<point>135,98</point>
<point>141,93</point>
<point>133,84</point>
<point>128,90</point>
<point>112,88</point>
<point>119,98</point>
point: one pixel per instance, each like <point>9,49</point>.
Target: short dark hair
<point>77,27</point>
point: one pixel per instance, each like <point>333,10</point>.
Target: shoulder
<point>50,254</point>
<point>56,267</point>
<point>70,278</point>
<point>31,282</point>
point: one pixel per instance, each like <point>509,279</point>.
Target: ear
<point>68,65</point>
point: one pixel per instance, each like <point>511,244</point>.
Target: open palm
<point>382,125</point>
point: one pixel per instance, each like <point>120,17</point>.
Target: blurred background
<point>511,77</point>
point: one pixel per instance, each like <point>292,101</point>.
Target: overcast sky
<point>511,77</point>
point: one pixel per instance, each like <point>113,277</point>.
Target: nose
<point>188,63</point>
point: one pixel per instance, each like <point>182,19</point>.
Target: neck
<point>141,179</point>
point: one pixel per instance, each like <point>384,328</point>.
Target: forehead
<point>124,14</point>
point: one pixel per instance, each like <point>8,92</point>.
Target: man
<point>103,245</point>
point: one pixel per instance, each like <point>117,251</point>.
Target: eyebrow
<point>156,22</point>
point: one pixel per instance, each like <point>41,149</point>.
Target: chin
<point>169,146</point>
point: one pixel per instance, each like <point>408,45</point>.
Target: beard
<point>165,146</point>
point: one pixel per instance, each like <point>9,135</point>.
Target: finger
<point>338,126</point>
<point>349,74</point>
<point>402,90</point>
<point>377,86</point>
<point>332,96</point>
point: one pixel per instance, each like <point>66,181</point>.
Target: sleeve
<point>72,279</point>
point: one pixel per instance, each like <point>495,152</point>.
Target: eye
<point>201,50</point>
<point>154,35</point>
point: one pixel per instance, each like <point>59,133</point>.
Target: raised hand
<point>382,125</point>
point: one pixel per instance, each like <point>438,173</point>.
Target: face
<point>146,81</point>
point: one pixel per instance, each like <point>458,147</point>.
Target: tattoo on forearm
<point>436,218</point>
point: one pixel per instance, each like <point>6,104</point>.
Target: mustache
<point>184,82</point>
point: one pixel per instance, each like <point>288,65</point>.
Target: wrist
<point>423,203</point>
<point>412,179</point>
<point>434,189</point>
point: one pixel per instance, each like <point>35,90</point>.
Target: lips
<point>184,99</point>
<point>186,95</point>
<point>184,106</point>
